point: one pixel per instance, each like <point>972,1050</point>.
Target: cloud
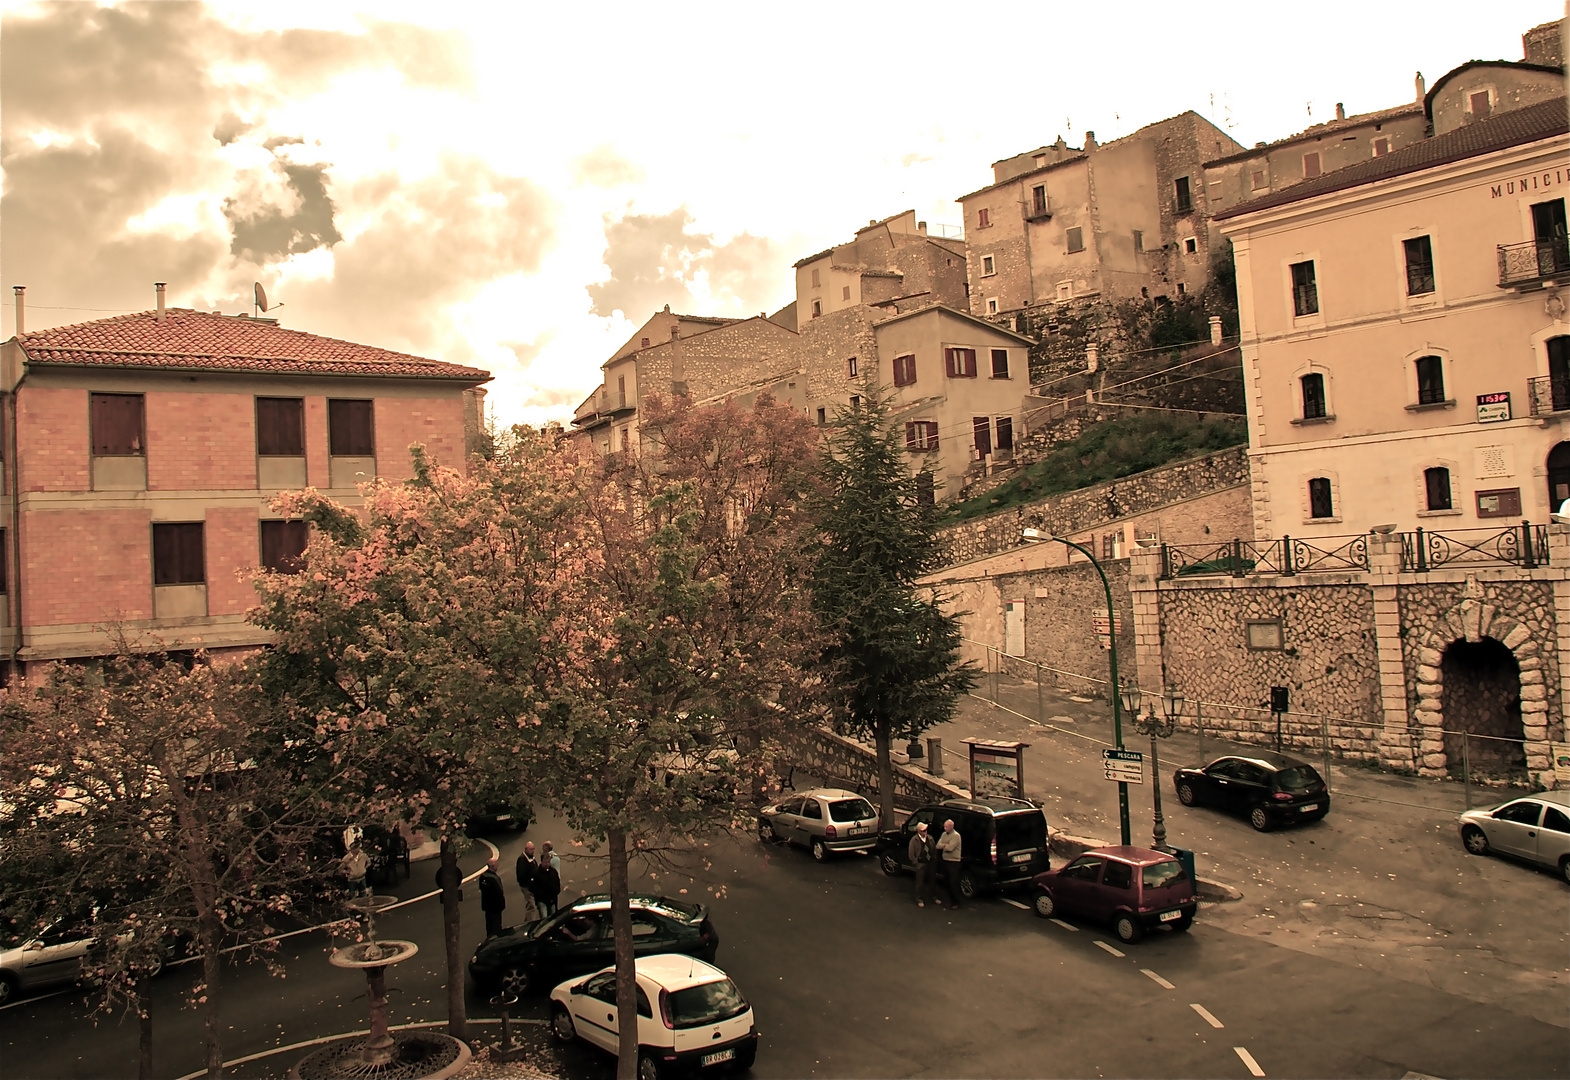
<point>527,351</point>
<point>603,167</point>
<point>655,260</point>
<point>272,230</point>
<point>549,398</point>
<point>915,159</point>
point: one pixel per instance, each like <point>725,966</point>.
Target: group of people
<point>539,879</point>
<point>927,855</point>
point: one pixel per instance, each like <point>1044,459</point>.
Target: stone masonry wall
<point>842,762</point>
<point>1060,604</point>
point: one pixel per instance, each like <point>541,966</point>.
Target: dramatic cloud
<point>603,167</point>
<point>272,230</point>
<point>654,260</point>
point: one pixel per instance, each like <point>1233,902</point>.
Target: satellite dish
<point>259,296</point>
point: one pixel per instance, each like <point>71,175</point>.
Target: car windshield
<point>706,1003</point>
<point>850,810</point>
<point>1160,875</point>
<point>1027,829</point>
<point>1298,778</point>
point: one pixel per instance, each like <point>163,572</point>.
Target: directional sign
<point>1124,766</point>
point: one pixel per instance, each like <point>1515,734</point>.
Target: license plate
<point>718,1056</point>
<point>1306,809</point>
<point>862,831</point>
<point>1023,856</point>
<point>1169,916</point>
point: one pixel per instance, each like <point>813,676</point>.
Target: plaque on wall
<point>1493,408</point>
<point>1501,502</point>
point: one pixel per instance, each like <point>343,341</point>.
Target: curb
<point>1066,846</point>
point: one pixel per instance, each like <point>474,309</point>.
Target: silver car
<point>1535,828</point>
<point>824,820</point>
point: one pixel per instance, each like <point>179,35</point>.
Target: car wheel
<point>1475,840</point>
<point>890,864</point>
<point>648,1068</point>
<point>516,981</point>
<point>154,969</point>
<point>1045,906</point>
<point>1564,869</point>
<point>745,1057</point>
<point>1183,923</point>
<point>1128,929</point>
<point>1186,794</point>
<point>561,1024</point>
<point>765,831</point>
<point>8,988</point>
<point>820,851</point>
<point>967,885</point>
<point>1259,817</point>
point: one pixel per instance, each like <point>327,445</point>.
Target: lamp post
<point>1036,536</point>
<point>1160,727</point>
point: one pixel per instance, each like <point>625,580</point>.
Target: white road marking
<point>1248,1059</point>
<point>1109,948</point>
<point>1209,1017</point>
<point>1016,903</point>
<point>1158,979</point>
<point>1065,925</point>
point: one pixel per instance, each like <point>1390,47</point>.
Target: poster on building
<point>1493,408</point>
<point>997,768</point>
<point>1561,752</point>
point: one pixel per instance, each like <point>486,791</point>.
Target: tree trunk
<point>212,972</point>
<point>144,1021</point>
<point>450,876</point>
<point>880,736</point>
<point>626,971</point>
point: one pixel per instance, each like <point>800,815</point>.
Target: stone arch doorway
<point>1558,476</point>
<point>1481,683</point>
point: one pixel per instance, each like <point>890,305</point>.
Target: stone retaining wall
<point>843,762</point>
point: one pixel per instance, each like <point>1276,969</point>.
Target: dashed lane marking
<point>1159,981</point>
<point>1065,925</point>
<point>1016,903</point>
<point>1248,1059</point>
<point>1208,1015</point>
<point>1109,948</point>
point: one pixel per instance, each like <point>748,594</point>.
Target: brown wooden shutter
<point>982,427</point>
<point>349,430</point>
<point>1005,433</point>
<point>910,435</point>
<point>117,425</point>
<point>970,362</point>
<point>177,553</point>
<point>280,427</point>
<point>283,542</point>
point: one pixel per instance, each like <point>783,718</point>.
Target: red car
<point>1134,889</point>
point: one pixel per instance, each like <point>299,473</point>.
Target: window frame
<point>992,305</point>
<point>1072,236</point>
<point>959,361</point>
<point>1431,478</point>
<point>851,364</point>
<point>1191,245</point>
<point>138,442</point>
<point>989,266</point>
<point>994,355</point>
<point>905,369</point>
<point>1414,270</point>
<point>921,436</point>
<point>1182,195</point>
<point>983,217</point>
<point>189,540</point>
<point>1319,165</point>
<point>289,564</point>
<point>1321,496</point>
<point>337,448</point>
<point>1430,372</point>
<point>1003,433</point>
<point>262,444</point>
<point>981,436</point>
<point>1305,294</point>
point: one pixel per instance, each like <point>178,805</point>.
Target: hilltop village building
<point>141,453</point>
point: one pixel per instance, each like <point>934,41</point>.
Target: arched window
<point>1321,500</point>
<point>1313,387</point>
<point>1430,380</point>
<point>1436,482</point>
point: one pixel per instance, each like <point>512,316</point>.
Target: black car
<point>1003,841</point>
<point>500,817</point>
<point>1269,789</point>
<point>578,940</point>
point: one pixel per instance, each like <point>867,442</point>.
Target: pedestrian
<point>949,849</point>
<point>354,865</point>
<point>524,869</point>
<point>492,900</point>
<point>547,880</point>
<point>922,854</point>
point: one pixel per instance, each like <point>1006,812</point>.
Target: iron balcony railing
<point>1037,209</point>
<point>1286,556</point>
<point>1549,394</point>
<point>1533,262</point>
<point>1524,545</point>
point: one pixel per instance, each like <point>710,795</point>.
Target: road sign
<point>1124,766</point>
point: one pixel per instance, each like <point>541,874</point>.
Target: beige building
<point>1127,219</point>
<point>891,265</point>
<point>1404,338</point>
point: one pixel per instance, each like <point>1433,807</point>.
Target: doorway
<point>1482,708</point>
<point>1558,476</point>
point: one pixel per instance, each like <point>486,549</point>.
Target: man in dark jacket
<point>492,900</point>
<point>923,853</point>
<point>547,881</point>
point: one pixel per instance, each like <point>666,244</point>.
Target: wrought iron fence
<point>1549,394</point>
<point>1286,556</point>
<point>1524,545</point>
<point>1535,260</point>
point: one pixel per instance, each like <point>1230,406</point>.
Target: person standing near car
<point>547,881</point>
<point>492,900</point>
<point>949,848</point>
<point>525,869</point>
<point>922,855</point>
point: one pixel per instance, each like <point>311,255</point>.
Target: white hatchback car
<point>1535,828</point>
<point>690,1016</point>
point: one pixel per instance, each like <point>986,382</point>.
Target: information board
<point>1123,766</point>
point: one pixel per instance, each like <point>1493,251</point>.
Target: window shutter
<point>910,435</point>
<point>1005,433</point>
<point>117,425</point>
<point>283,542</point>
<point>177,553</point>
<point>280,427</point>
<point>349,429</point>
<point>970,363</point>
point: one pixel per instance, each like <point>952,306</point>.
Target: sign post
<point>997,768</point>
<point>1123,766</point>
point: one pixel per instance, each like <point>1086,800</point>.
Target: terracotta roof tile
<point>189,340</point>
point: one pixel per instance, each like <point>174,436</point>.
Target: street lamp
<point>1037,536</point>
<point>1160,727</point>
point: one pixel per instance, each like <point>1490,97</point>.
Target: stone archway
<point>1482,697</point>
<point>1470,622</point>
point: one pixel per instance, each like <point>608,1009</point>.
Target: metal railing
<point>1524,545</point>
<point>1549,394</point>
<point>1287,556</point>
<point>1036,211</point>
<point>1533,261</point>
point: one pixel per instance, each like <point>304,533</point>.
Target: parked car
<point>54,956</point>
<point>498,817</point>
<point>1535,829</point>
<point>1003,841</point>
<point>824,820</point>
<point>578,939</point>
<point>691,1016</point>
<point>1132,888</point>
<point>1269,789</point>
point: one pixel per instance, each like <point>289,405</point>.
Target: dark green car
<point>578,940</point>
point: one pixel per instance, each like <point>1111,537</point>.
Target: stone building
<point>891,266</point>
<point>141,453</point>
<point>1125,220</point>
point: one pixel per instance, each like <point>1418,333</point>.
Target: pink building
<point>141,453</point>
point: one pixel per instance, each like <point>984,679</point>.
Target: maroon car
<point>1134,889</point>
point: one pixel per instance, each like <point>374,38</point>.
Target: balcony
<point>1038,210</point>
<point>1182,207</point>
<point>1534,263</point>
<point>1550,394</point>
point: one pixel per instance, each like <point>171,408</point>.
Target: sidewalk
<point>1382,882</point>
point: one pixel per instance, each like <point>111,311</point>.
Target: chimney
<point>1215,329</point>
<point>678,369</point>
<point>1090,140</point>
<point>158,287</point>
<point>21,308</point>
<point>1422,88</point>
<point>1340,111</point>
<point>921,227</point>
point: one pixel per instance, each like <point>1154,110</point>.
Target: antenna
<point>258,297</point>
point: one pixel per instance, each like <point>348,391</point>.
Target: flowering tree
<point>418,646</point>
<point>147,795</point>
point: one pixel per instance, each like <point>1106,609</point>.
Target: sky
<point>520,186</point>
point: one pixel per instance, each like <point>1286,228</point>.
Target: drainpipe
<point>16,496</point>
